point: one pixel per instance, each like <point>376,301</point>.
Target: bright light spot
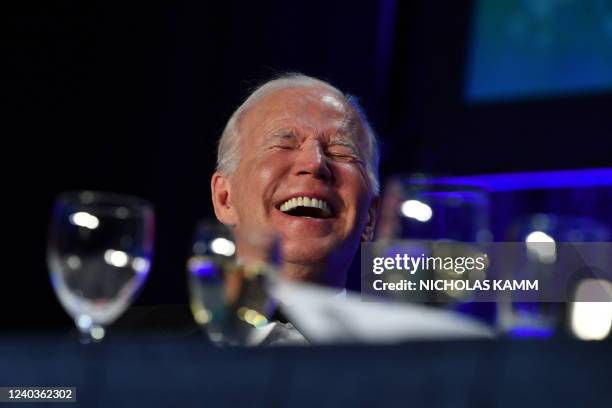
<point>84,322</point>
<point>542,246</point>
<point>252,317</point>
<point>84,219</point>
<point>332,101</point>
<point>417,210</point>
<point>140,265</point>
<point>591,320</point>
<point>539,236</point>
<point>223,246</point>
<point>116,258</point>
<point>73,262</point>
<point>202,316</point>
<point>97,333</point>
<point>259,321</point>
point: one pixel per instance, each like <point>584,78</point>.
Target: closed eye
<point>282,147</point>
<point>342,151</point>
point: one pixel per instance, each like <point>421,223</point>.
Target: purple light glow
<point>203,268</point>
<point>536,180</point>
<point>531,332</point>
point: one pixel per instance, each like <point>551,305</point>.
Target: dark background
<point>128,97</point>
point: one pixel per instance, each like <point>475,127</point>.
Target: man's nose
<point>311,159</point>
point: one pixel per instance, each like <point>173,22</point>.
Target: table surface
<point>156,356</point>
<point>151,370</point>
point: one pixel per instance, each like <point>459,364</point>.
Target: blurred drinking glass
<point>435,209</point>
<point>99,254</point>
<point>428,208</point>
<point>544,234</point>
<point>229,293</point>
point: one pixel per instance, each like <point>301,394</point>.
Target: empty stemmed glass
<point>99,254</point>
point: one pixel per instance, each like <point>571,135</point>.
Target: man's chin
<point>301,273</point>
<point>319,260</point>
<point>303,262</point>
<point>306,268</point>
<point>305,252</point>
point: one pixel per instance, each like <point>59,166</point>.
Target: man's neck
<point>316,274</point>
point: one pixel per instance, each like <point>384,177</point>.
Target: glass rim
<point>436,183</point>
<point>103,198</point>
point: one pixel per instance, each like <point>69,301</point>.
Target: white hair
<point>228,154</point>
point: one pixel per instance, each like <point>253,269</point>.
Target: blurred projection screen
<point>523,49</point>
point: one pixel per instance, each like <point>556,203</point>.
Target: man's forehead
<point>302,106</point>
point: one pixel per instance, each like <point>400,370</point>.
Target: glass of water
<point>228,280</point>
<point>426,210</point>
<point>99,254</point>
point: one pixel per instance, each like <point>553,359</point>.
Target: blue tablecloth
<point>150,371</point>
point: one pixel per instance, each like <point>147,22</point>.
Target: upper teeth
<point>306,202</point>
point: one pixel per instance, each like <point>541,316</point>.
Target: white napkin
<point>323,317</point>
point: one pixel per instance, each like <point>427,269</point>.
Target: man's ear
<point>222,199</point>
<point>368,231</point>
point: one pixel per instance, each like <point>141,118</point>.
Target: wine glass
<point>99,254</point>
<point>228,293</point>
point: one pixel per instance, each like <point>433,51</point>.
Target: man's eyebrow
<point>285,133</point>
<point>342,140</point>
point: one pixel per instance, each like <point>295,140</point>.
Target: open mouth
<point>306,207</point>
